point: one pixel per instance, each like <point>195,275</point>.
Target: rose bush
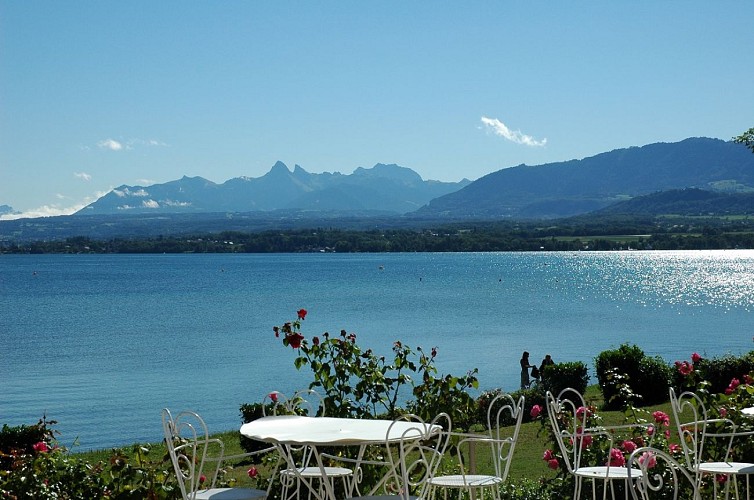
<point>356,382</point>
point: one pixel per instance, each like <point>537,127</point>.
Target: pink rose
<point>732,386</point>
<point>661,418</point>
<point>548,455</point>
<point>535,411</point>
<point>553,464</point>
<point>696,357</point>
<point>616,458</point>
<point>674,448</point>
<point>253,472</point>
<point>582,411</point>
<point>685,368</point>
<point>629,445</point>
<point>202,478</point>
<point>273,397</point>
<point>648,459</point>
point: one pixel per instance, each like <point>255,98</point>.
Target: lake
<point>101,343</point>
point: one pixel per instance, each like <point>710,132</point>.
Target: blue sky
<point>96,94</point>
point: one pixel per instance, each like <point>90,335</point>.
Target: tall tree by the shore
<point>747,139</point>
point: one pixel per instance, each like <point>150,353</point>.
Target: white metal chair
<point>662,477</point>
<point>504,416</point>
<point>696,429</point>
<point>569,417</point>
<point>305,402</point>
<point>412,458</point>
<point>196,456</point>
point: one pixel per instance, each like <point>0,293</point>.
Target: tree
<point>747,139</point>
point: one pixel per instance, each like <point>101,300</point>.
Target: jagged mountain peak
<point>400,190</point>
<point>390,171</point>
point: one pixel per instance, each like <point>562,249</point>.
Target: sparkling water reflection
<point>102,342</point>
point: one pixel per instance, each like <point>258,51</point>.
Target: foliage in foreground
<point>357,383</point>
<point>35,467</point>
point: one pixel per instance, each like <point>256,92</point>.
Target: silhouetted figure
<point>525,370</point>
<point>545,362</point>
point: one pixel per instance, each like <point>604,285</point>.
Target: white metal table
<point>287,431</point>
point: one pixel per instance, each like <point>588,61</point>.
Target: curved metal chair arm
<point>656,474</point>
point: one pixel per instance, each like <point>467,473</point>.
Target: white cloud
<point>110,144</point>
<point>173,203</point>
<point>54,209</point>
<point>499,128</point>
<point>127,145</point>
<point>144,182</point>
<point>83,176</point>
<point>122,193</point>
<point>150,204</point>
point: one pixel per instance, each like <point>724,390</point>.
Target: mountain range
<point>696,176</point>
<point>553,190</point>
<point>576,187</point>
<point>385,189</point>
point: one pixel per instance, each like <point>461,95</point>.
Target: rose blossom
<point>273,397</point>
<point>40,447</point>
<point>301,314</point>
<point>732,387</point>
<point>649,458</point>
<point>685,368</point>
<point>253,472</point>
<point>553,464</point>
<point>294,340</point>
<point>629,445</point>
<point>661,418</point>
<point>696,357</point>
<point>616,458</point>
<point>535,411</point>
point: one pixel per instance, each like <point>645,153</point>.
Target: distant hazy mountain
<point>579,186</point>
<point>5,209</point>
<point>383,188</point>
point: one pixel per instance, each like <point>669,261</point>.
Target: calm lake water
<point>101,343</point>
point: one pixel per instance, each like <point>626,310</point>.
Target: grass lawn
<point>527,460</point>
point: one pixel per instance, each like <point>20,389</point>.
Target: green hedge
<point>627,367</point>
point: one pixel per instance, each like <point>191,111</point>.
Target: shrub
<point>560,376</point>
<point>21,440</point>
<point>34,466</point>
<point>720,371</point>
<point>626,373</point>
<point>250,412</point>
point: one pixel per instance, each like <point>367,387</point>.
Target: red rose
<point>301,313</point>
<point>253,472</point>
<point>40,447</point>
<point>294,340</point>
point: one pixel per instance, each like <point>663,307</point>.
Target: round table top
<point>299,430</point>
